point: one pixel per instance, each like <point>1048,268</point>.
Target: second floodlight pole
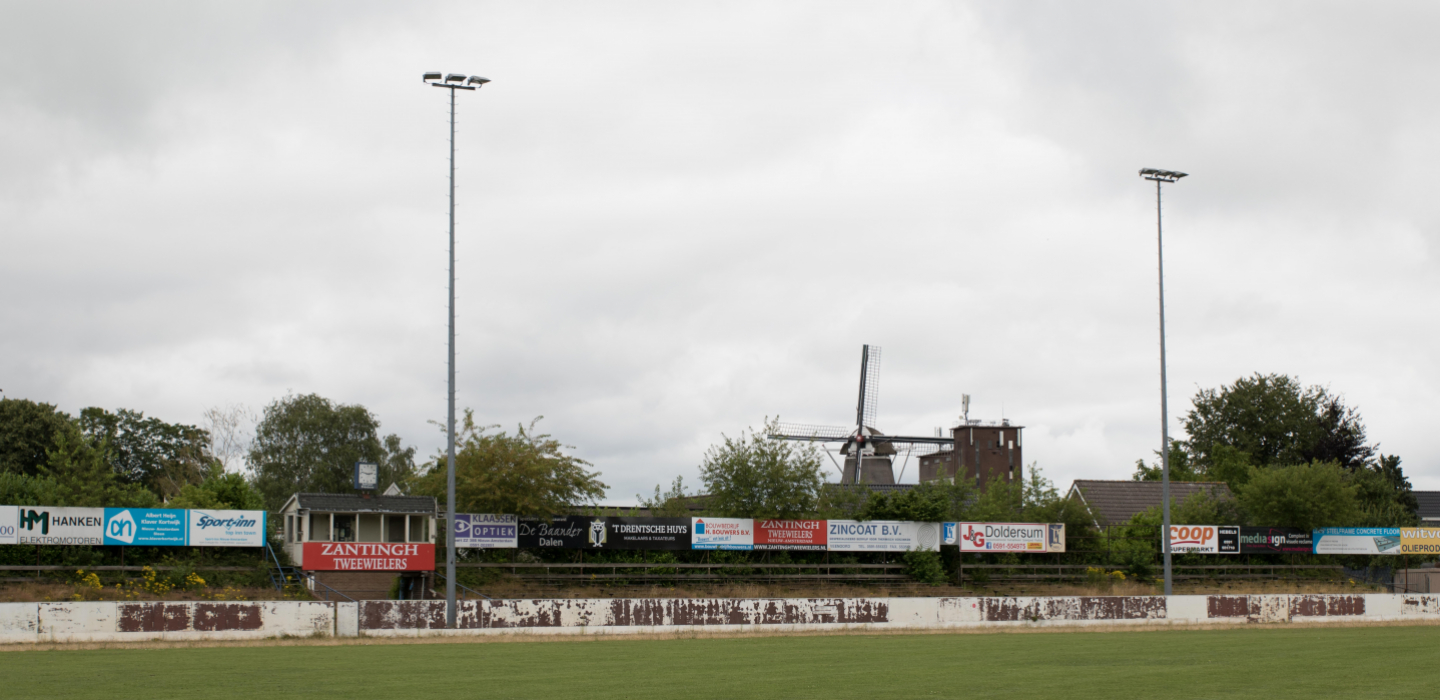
<point>1160,177</point>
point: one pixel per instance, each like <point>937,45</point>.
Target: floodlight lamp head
<point>477,80</point>
<point>454,78</point>
<point>431,76</point>
<point>1161,175</point>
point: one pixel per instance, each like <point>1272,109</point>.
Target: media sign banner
<point>1198,539</point>
<point>49,525</point>
<point>881,536</point>
<point>9,525</point>
<point>1357,540</point>
<point>368,556</point>
<point>1419,540</point>
<point>227,528</point>
<point>147,527</point>
<point>722,533</point>
<point>484,531</point>
<point>790,534</point>
<point>1036,538</point>
<point>1273,540</point>
<point>563,531</point>
<point>646,533</point>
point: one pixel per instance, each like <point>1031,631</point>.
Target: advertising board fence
<point>793,535</point>
<point>1357,540</point>
<point>1035,538</point>
<point>368,556</point>
<point>646,533</point>
<point>881,536</point>
<point>723,533</point>
<point>1419,540</point>
<point>131,527</point>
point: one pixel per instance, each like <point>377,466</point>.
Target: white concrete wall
<point>126,621</point>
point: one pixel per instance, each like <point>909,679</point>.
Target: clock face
<point>367,471</point>
<point>366,474</point>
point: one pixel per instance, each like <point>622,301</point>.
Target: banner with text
<point>1196,539</point>
<point>1270,540</point>
<point>881,536</point>
<point>9,525</point>
<point>1036,538</point>
<point>1419,540</point>
<point>227,528</point>
<point>646,533</point>
<point>50,525</point>
<point>561,531</point>
<point>367,556</point>
<point>795,535</point>
<point>1357,540</point>
<point>485,531</point>
<point>722,533</point>
<point>146,527</point>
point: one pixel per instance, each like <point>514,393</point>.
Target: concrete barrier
<point>138,621</point>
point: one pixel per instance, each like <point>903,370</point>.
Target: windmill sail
<point>869,402</point>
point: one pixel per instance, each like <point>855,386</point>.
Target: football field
<point>1263,662</point>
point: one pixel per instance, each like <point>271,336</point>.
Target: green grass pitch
<point>1271,663</point>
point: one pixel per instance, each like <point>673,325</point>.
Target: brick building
<point>985,452</point>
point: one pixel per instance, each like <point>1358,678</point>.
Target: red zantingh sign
<point>790,534</point>
<point>368,556</point>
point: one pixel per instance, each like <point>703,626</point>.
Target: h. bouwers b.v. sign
<point>367,556</point>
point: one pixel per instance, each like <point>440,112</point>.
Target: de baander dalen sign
<point>368,556</point>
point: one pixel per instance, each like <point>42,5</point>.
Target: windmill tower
<point>863,446</point>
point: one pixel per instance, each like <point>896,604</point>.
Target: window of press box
<point>344,528</point>
<point>394,528</point>
<point>320,527</point>
<point>419,528</point>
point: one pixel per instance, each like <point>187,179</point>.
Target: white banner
<point>1357,540</point>
<point>1035,538</point>
<point>50,525</point>
<point>9,525</point>
<point>485,531</point>
<point>1197,539</point>
<point>227,528</point>
<point>722,533</point>
<point>881,536</point>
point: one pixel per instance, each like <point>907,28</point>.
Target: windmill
<point>863,445</point>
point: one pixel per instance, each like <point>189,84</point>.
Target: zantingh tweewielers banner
<point>138,527</point>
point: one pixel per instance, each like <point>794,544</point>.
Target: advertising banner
<point>647,533</point>
<point>881,536</point>
<point>147,527</point>
<point>562,531</point>
<point>1198,539</point>
<point>368,556</point>
<point>1357,540</point>
<point>1419,540</point>
<point>1005,537</point>
<point>484,531</point>
<point>722,533</point>
<point>790,534</point>
<point>9,525</point>
<point>227,528</point>
<point>49,525</point>
<point>1274,540</point>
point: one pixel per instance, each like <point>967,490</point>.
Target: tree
<point>753,476</point>
<point>27,432</point>
<point>307,443</point>
<point>160,456</point>
<point>223,491</point>
<point>1310,495</point>
<point>1273,420</point>
<point>83,476</point>
<point>527,473</point>
<point>674,503</point>
<point>24,490</point>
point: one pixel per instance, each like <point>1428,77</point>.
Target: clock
<point>367,475</point>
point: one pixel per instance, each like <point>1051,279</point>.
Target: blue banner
<point>148,527</point>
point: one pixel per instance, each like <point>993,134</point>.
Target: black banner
<point>647,533</point>
<point>1229,539</point>
<point>1275,540</point>
<point>566,532</point>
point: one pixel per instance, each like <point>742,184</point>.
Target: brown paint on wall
<point>1326,605</point>
<point>220,617</point>
<point>153,617</point>
<point>1230,606</point>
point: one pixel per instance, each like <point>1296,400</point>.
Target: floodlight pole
<point>450,612</point>
<point>1159,177</point>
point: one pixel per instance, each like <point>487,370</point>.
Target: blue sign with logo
<point>148,527</point>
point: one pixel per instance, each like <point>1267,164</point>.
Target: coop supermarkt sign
<point>881,536</point>
<point>1035,538</point>
<point>1199,539</point>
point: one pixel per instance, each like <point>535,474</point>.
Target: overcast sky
<point>678,218</point>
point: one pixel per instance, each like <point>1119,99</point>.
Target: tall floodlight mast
<point>1160,177</point>
<point>451,82</point>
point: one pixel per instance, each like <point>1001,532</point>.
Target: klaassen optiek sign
<point>484,531</point>
<point>226,528</point>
